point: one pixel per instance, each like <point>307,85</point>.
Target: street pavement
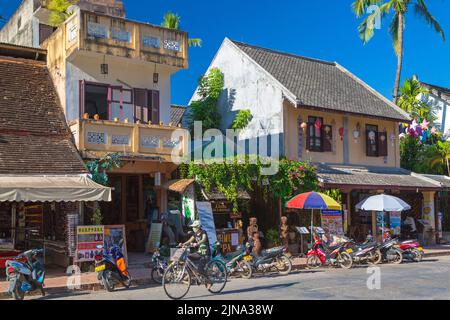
<point>429,279</point>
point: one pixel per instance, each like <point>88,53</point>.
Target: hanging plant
<point>99,168</point>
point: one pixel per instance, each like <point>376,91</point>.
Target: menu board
<point>332,221</point>
<point>88,238</point>
<point>71,233</point>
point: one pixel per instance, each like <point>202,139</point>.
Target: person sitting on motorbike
<point>257,247</point>
<point>200,241</point>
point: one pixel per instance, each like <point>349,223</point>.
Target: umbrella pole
<point>312,230</point>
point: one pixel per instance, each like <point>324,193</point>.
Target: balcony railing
<point>107,35</point>
<point>166,142</point>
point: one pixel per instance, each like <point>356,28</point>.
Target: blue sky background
<point>320,29</point>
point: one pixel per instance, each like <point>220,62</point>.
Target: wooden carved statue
<point>284,232</point>
<point>252,228</point>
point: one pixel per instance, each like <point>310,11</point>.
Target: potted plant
<point>273,238</point>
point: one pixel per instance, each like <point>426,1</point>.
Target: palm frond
<point>366,29</point>
<point>394,29</point>
<point>359,7</point>
<point>421,10</point>
<point>171,21</point>
<point>195,42</point>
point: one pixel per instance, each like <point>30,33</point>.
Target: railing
<point>130,138</point>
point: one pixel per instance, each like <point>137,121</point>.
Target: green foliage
<point>99,168</point>
<point>239,173</point>
<point>172,21</point>
<point>242,119</point>
<point>411,153</point>
<point>58,11</point>
<point>410,103</point>
<point>97,217</point>
<point>335,194</point>
<point>273,236</point>
<point>205,109</point>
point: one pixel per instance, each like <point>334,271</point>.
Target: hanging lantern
<point>341,133</point>
<point>318,124</point>
<point>104,68</point>
<point>304,126</point>
<point>155,76</point>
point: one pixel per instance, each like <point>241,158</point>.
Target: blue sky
<point>320,29</point>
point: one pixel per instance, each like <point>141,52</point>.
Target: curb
<point>436,254</point>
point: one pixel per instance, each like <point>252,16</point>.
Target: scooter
<point>321,255</point>
<point>411,250</point>
<point>25,274</point>
<point>270,260</point>
<point>236,262</point>
<point>389,252</point>
<point>160,264</point>
<point>112,268</point>
<point>367,252</point>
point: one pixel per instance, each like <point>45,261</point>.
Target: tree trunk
<point>399,57</point>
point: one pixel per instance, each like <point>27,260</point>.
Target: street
<point>429,279</point>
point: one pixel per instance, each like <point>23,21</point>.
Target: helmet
<point>196,224</point>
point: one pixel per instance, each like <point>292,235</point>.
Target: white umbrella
<point>383,202</point>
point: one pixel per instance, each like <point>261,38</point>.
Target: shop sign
<point>88,239</point>
<point>229,240</point>
<point>221,207</point>
<point>206,218</point>
<point>396,223</point>
<point>332,220</point>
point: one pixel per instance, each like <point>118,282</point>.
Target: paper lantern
<point>341,133</point>
<point>318,124</point>
<point>304,126</point>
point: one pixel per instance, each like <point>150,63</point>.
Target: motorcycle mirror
<point>99,247</point>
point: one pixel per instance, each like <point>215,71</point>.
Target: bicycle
<point>182,273</point>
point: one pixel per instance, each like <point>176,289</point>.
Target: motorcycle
<point>159,265</point>
<point>367,252</point>
<point>112,268</point>
<point>236,262</point>
<point>25,274</point>
<point>321,255</point>
<point>411,250</point>
<point>270,260</point>
<point>389,253</point>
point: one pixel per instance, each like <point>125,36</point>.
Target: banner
<point>206,218</point>
<point>332,220</point>
<point>188,205</point>
<point>396,223</point>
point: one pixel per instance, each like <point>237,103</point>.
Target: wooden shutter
<point>155,106</point>
<point>308,135</point>
<point>327,138</point>
<point>141,105</point>
<point>82,97</point>
<point>371,144</point>
<point>382,144</point>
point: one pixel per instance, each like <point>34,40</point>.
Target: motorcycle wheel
<point>284,265</point>
<point>398,257</point>
<point>106,281</point>
<point>18,294</point>
<point>376,257</point>
<point>418,255</point>
<point>345,260</point>
<point>127,282</point>
<point>247,270</point>
<point>313,262</point>
<point>157,275</point>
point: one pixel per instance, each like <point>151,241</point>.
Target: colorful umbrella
<point>313,200</point>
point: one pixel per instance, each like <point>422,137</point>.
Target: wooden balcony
<point>88,32</point>
<point>137,141</point>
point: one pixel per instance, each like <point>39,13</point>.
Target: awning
<point>179,185</point>
<point>59,188</point>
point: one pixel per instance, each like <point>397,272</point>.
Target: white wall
<point>135,74</point>
<point>247,86</point>
<point>442,110</point>
<point>10,33</point>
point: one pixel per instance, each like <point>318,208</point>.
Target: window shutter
<point>141,104</point>
<point>308,135</point>
<point>382,144</point>
<point>155,106</point>
<point>371,144</point>
<point>82,98</point>
<point>327,138</point>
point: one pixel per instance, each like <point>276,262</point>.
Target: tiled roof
<point>323,85</point>
<point>364,176</point>
<point>176,114</point>
<point>443,180</point>
<point>34,137</point>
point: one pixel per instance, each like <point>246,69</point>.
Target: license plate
<point>349,251</point>
<point>100,268</point>
<point>248,258</point>
<point>420,249</point>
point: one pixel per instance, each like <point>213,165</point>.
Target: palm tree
<point>409,101</point>
<point>397,26</point>
<point>172,21</point>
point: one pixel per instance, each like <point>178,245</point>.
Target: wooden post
<point>123,195</point>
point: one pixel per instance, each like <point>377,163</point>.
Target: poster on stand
<point>396,223</point>
<point>113,235</point>
<point>206,218</point>
<point>332,221</point>
<point>88,239</point>
<point>154,238</point>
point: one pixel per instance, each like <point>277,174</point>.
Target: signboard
<point>113,235</point>
<point>332,220</point>
<point>88,238</point>
<point>206,218</point>
<point>72,223</point>
<point>229,240</point>
<point>154,237</point>
<point>221,207</point>
<point>188,206</point>
<point>396,223</point>
<point>302,230</point>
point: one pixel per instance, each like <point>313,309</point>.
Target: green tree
<point>436,158</point>
<point>411,153</point>
<point>205,109</point>
<point>397,25</point>
<point>172,21</point>
<point>409,102</point>
<point>242,119</point>
<point>59,11</point>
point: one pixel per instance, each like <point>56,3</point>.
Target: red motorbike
<point>411,250</point>
<point>322,255</point>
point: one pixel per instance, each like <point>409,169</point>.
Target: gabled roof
<point>176,114</point>
<point>323,85</point>
<point>34,136</point>
<point>443,93</point>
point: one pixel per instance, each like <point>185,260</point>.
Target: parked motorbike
<point>367,252</point>
<point>25,274</point>
<point>389,253</point>
<point>236,262</point>
<point>270,260</point>
<point>112,268</point>
<point>411,250</point>
<point>321,255</point>
<point>159,265</point>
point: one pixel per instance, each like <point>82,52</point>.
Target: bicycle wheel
<point>176,281</point>
<point>217,276</point>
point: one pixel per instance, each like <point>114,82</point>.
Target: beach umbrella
<point>311,201</point>
<point>383,202</point>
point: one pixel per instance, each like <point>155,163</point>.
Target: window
<point>372,140</point>
<point>146,105</point>
<point>314,135</point>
